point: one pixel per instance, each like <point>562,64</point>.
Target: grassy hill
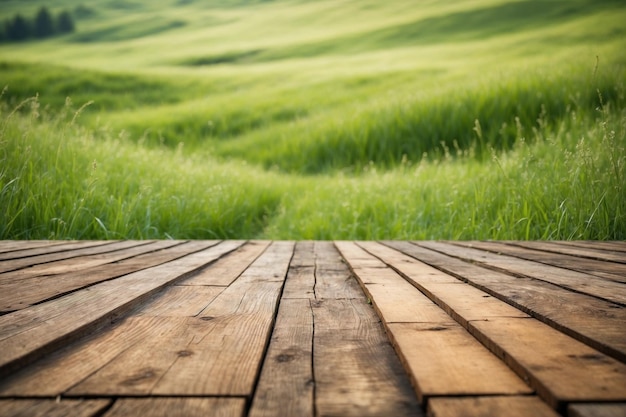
<point>317,119</point>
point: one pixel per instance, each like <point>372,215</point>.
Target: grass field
<point>296,119</point>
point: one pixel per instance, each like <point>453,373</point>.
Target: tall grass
<point>60,181</point>
<point>568,184</point>
<point>560,181</point>
<point>465,119</point>
<point>481,117</point>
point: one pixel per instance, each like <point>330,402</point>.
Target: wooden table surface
<point>281,328</point>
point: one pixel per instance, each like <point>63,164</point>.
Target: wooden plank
<point>445,360</point>
<point>190,356</point>
<point>327,258</point>
<point>353,252</point>
<point>604,269</point>
<point>28,334</point>
<point>596,322</point>
<point>356,370</point>
<point>568,370</point>
<point>360,259</point>
<point>577,281</point>
<point>8,246</point>
<point>81,249</point>
<point>333,279</point>
<point>52,408</point>
<point>593,251</point>
<point>597,410</point>
<point>301,278</point>
<point>304,255</point>
<point>286,383</point>
<point>27,248</point>
<point>226,270</point>
<point>180,301</point>
<point>442,358</point>
<point>509,406</point>
<point>560,368</point>
<point>128,249</point>
<point>217,353</point>
<point>400,302</point>
<point>595,248</point>
<point>23,288</point>
<point>57,372</point>
<point>301,283</point>
<point>178,407</point>
<point>461,301</point>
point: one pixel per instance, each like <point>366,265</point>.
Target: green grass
<point>482,119</point>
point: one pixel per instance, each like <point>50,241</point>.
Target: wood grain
<point>517,341</point>
<point>9,249</point>
<point>57,372</point>
<point>52,408</point>
<point>606,268</point>
<point>442,358</point>
<point>286,383</point>
<point>23,288</point>
<point>356,370</point>
<point>180,301</point>
<point>577,281</point>
<point>445,360</point>
<point>219,352</point>
<point>178,407</point>
<point>615,246</point>
<point>26,248</point>
<point>559,367</point>
<point>509,406</point>
<point>126,250</point>
<point>311,328</point>
<point>598,323</point>
<point>301,278</point>
<point>226,270</point>
<point>28,334</point>
<point>597,410</point>
<point>602,251</point>
<point>333,279</point>
<point>78,249</point>
<point>460,300</point>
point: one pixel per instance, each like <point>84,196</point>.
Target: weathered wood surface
<point>260,328</point>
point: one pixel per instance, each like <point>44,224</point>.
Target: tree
<point>18,29</point>
<point>44,25</point>
<point>65,23</point>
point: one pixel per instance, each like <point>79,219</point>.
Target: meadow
<point>327,119</point>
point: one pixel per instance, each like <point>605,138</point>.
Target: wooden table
<point>259,328</point>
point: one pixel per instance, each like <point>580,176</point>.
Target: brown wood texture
<point>29,249</point>
<point>597,410</point>
<point>596,322</point>
<point>490,407</point>
<point>45,281</point>
<point>441,356</point>
<point>603,251</point>
<point>312,328</point>
<point>71,251</point>
<point>52,408</point>
<point>560,368</point>
<point>578,260</point>
<point>28,334</point>
<point>328,355</point>
<point>573,280</point>
<point>178,407</point>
